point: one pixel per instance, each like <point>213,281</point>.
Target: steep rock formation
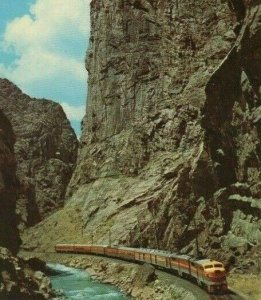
<point>19,279</point>
<point>8,187</point>
<point>45,149</point>
<point>232,117</point>
<point>171,130</point>
<point>148,67</point>
<point>171,141</point>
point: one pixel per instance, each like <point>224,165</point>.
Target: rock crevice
<point>9,236</point>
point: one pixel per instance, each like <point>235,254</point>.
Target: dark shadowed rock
<point>8,186</point>
<point>145,275</point>
<point>20,282</point>
<point>45,149</point>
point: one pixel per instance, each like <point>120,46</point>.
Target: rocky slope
<point>45,149</point>
<point>141,282</point>
<point>19,279</point>
<point>171,142</point>
<point>8,187</point>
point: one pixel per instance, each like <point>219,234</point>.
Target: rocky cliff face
<point>8,187</point>
<point>148,63</point>
<point>171,136</point>
<point>171,142</point>
<point>45,149</point>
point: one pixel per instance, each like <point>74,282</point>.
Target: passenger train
<point>207,273</point>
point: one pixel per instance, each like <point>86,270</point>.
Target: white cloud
<point>74,113</point>
<point>47,21</point>
<point>38,64</point>
<point>43,41</point>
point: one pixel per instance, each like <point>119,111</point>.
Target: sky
<point>42,50</point>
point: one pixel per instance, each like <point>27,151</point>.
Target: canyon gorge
<point>170,147</point>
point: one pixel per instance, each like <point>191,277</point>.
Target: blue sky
<point>42,50</point>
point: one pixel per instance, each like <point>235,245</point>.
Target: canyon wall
<point>170,148</point>
<point>45,150</point>
<point>171,135</point>
<point>8,187</point>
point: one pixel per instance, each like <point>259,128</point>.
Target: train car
<point>64,248</point>
<point>97,249</point>
<point>162,260</point>
<point>197,271</point>
<point>82,249</point>
<point>126,253</point>
<point>148,257</point>
<point>156,258</point>
<point>112,251</point>
<point>153,259</point>
<point>139,256</point>
<point>174,264</point>
<point>181,264</point>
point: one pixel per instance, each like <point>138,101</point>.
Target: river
<point>78,285</point>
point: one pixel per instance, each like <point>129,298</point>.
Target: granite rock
<point>9,237</point>
<point>45,150</point>
<point>19,281</point>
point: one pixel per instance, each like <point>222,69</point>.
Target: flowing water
<point>78,284</point>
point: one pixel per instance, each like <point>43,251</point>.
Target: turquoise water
<point>77,284</point>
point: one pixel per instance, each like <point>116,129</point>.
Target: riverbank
<point>141,282</point>
<point>77,284</point>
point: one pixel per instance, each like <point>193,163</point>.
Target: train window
<point>218,266</point>
<point>208,266</point>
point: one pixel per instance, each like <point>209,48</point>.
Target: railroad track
<point>226,297</point>
<point>223,297</point>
